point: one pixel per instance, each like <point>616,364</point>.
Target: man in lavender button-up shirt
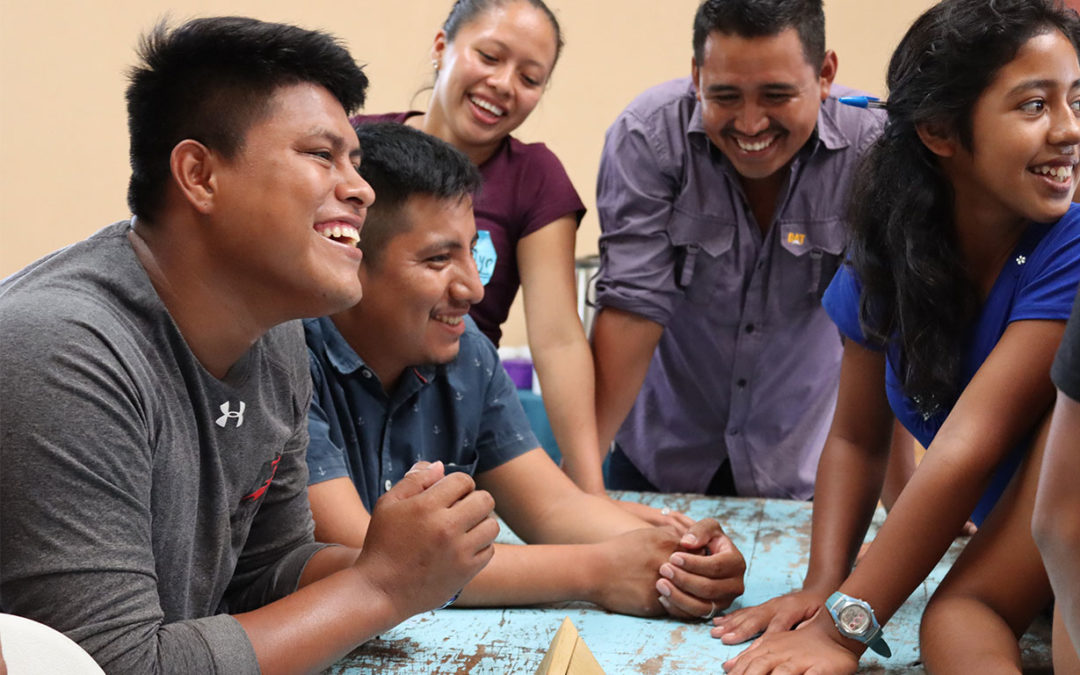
<point>722,201</point>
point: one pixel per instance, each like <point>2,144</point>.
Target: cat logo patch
<point>797,238</point>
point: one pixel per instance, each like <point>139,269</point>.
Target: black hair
<point>400,162</point>
<point>465,11</point>
<point>210,79</point>
<point>916,297</point>
<point>763,18</point>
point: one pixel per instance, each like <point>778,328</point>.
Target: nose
<point>751,120</point>
<point>467,287</point>
<point>1065,130</point>
<point>355,190</point>
<point>499,78</point>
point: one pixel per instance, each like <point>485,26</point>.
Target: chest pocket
<point>812,252</point>
<point>705,259</point>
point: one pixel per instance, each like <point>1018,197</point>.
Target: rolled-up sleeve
<point>635,193</point>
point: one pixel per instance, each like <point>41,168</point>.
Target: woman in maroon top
<point>492,61</point>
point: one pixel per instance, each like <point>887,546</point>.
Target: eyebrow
<point>1040,84</point>
<point>337,142</point>
<point>441,245</point>
<point>773,87</point>
<point>531,62</point>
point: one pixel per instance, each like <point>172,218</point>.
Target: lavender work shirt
<point>748,364</point>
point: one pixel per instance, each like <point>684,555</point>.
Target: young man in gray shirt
<point>152,479</point>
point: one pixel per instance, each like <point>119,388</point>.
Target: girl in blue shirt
<point>964,261</point>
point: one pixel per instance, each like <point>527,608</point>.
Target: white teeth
<point>490,107</point>
<point>450,320</point>
<point>347,234</point>
<point>1061,174</point>
<point>754,147</point>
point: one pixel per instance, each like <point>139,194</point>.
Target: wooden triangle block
<point>568,654</point>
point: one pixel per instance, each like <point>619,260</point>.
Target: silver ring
<point>711,613</point>
<point>665,511</point>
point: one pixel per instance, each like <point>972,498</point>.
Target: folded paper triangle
<point>568,654</point>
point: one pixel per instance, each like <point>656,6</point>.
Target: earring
<point>435,64</point>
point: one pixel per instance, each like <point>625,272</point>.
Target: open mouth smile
<point>342,233</point>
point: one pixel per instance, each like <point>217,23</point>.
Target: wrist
<point>596,572</point>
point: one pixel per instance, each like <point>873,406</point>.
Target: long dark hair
<point>915,296</point>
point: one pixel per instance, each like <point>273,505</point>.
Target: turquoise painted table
<point>774,536</point>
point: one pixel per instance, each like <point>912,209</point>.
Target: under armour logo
<point>237,415</point>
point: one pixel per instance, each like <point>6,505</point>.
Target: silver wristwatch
<point>855,619</point>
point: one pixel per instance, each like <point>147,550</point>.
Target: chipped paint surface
<point>774,536</point>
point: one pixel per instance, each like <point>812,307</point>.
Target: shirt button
<point>388,485</point>
<point>749,328</point>
<point>366,373</point>
<point>734,432</point>
<point>741,383</point>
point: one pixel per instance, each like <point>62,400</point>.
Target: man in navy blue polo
<point>405,377</point>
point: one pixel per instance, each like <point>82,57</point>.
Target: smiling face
<point>289,207</point>
<point>418,291</point>
<point>759,98</point>
<point>1025,138</point>
<point>491,76</point>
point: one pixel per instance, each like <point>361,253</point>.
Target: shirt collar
<point>344,359</point>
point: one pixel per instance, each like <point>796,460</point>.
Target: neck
<point>985,241</point>
<point>369,346</point>
<point>432,123</point>
<point>762,195</point>
<point>218,325</point>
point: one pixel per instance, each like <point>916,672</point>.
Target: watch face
<point>854,619</point>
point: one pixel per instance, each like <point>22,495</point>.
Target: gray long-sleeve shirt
<point>142,500</point>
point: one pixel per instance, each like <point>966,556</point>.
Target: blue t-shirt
<point>465,413</point>
<point>1038,282</point>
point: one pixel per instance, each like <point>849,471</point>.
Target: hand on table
<point>704,575</point>
<point>629,567</point>
<point>659,517</point>
<point>429,535</point>
<point>777,615</point>
<point>814,647</point>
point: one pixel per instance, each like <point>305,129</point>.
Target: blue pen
<point>862,101</point>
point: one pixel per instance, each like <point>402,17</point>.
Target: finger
<point>721,590</point>
<point>737,629</point>
<point>786,620</point>
<point>969,529</point>
<point>671,609</point>
<point>482,536</point>
<point>472,509</point>
<point>723,562</point>
<point>701,533</point>
<point>450,489</point>
<point>420,466</point>
<point>685,603</point>
<point>414,482</point>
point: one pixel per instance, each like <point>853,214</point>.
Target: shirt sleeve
<point>504,432</point>
<point>841,303</point>
<point>1066,370</point>
<point>634,199</point>
<point>76,477</point>
<point>325,456</point>
<point>1049,277</point>
<point>551,193</point>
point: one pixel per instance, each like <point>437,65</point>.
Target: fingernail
<point>663,589</point>
<point>678,560</point>
<point>689,540</point>
<point>667,570</point>
<point>663,601</point>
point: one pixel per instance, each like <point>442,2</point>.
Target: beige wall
<point>63,139</point>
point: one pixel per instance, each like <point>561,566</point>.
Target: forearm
<point>623,345</point>
<point>529,575</point>
<point>562,521</point>
<point>565,370</point>
<point>848,485</point>
<point>323,620</point>
<point>1056,522</point>
<point>901,465</point>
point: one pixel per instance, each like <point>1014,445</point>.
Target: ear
<point>438,48</point>
<point>695,72</point>
<point>191,164</point>
<point>937,138</point>
<point>828,73</point>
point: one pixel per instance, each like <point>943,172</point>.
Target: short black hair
<point>763,18</point>
<point>210,79</point>
<point>400,162</point>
